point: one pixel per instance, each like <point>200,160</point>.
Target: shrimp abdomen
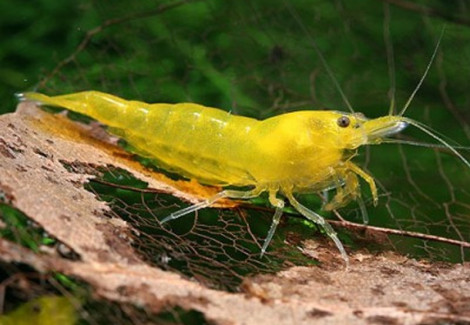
<point>196,141</point>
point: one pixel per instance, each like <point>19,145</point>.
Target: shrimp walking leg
<point>279,204</point>
<point>319,220</point>
<point>369,179</point>
<point>207,203</point>
<point>346,193</point>
<point>362,207</point>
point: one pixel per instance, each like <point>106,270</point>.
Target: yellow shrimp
<point>304,151</point>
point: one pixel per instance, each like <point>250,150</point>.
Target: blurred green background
<point>256,58</point>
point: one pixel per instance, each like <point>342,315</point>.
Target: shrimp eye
<point>343,121</point>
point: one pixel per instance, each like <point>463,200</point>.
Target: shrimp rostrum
<point>298,152</point>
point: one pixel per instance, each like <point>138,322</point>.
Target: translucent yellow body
<point>304,151</point>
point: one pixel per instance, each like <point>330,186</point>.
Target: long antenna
<point>294,14</point>
<point>431,133</point>
<point>424,75</point>
<point>390,58</point>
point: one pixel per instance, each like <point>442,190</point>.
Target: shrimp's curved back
<point>196,141</point>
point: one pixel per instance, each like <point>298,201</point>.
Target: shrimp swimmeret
<point>298,152</point>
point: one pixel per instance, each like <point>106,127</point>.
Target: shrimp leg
<point>319,220</point>
<point>279,204</point>
<point>346,193</point>
<point>351,191</point>
<point>207,203</point>
<point>369,179</point>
